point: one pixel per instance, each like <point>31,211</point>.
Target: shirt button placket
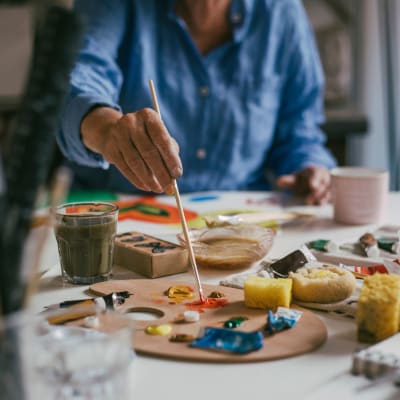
<point>201,154</point>
<point>236,18</point>
<point>204,91</point>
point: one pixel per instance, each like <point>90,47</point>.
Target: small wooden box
<point>149,256</point>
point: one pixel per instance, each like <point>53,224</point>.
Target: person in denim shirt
<point>240,89</point>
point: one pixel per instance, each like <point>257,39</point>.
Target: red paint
<point>371,270</point>
<point>159,301</point>
<point>207,303</point>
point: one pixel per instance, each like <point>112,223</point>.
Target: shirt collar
<point>239,15</point>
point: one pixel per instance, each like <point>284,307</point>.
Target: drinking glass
<point>92,359</point>
<point>85,234</point>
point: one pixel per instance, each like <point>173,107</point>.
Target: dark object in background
<point>27,156</point>
<point>290,263</point>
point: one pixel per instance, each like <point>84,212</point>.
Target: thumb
<point>286,181</point>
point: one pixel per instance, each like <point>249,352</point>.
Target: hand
<point>138,144</point>
<point>312,182</point>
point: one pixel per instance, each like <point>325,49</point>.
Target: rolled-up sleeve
<point>299,141</point>
<point>96,78</point>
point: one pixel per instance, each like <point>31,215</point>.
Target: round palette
<point>150,296</point>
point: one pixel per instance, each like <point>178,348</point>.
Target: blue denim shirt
<point>246,111</point>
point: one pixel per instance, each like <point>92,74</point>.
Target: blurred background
<point>357,40</point>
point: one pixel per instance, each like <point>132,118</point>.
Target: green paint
<point>389,245</point>
<point>323,245</point>
<point>146,209</point>
<point>234,322</point>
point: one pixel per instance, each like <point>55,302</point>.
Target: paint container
<point>284,318</point>
<point>369,245</point>
<point>324,245</point>
<point>290,263</point>
<point>228,340</point>
<point>392,246</point>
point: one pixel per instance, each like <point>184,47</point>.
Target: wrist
<point>96,125</point>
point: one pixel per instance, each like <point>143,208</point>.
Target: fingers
<point>320,198</point>
<point>286,181</point>
<point>141,156</point>
<point>167,147</point>
<point>115,157</point>
<point>312,182</point>
<point>319,186</point>
<point>142,149</point>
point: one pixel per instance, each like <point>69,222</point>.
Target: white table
<point>322,374</point>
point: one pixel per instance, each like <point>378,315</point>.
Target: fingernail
<point>177,172</point>
<point>169,191</point>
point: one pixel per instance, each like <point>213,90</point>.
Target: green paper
<point>92,195</point>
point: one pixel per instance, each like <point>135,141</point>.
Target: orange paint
<point>150,210</point>
<point>208,303</point>
<point>159,301</point>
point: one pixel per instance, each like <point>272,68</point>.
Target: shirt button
<point>201,154</point>
<point>236,18</point>
<point>204,91</point>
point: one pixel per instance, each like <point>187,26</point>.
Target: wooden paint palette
<point>148,295</point>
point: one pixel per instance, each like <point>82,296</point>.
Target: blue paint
<point>283,319</point>
<point>229,341</point>
<point>204,198</point>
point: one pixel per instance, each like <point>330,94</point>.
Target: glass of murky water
<point>85,234</point>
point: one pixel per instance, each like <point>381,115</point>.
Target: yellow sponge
<point>267,293</point>
<point>378,308</point>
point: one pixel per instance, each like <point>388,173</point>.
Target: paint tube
<point>228,340</point>
<point>324,245</point>
<point>369,245</point>
<point>361,271</point>
<point>77,309</point>
<point>109,301</point>
<point>284,318</point>
<point>392,246</point>
<point>290,263</point>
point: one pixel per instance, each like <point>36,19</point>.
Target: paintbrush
<point>180,210</point>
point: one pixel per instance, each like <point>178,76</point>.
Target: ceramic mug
<point>359,194</point>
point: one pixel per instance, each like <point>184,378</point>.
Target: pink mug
<point>359,194</point>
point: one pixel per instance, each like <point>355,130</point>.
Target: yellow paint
<point>180,293</point>
<point>159,330</point>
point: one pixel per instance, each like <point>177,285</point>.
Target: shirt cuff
<point>69,136</point>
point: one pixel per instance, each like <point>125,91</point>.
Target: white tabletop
<point>322,374</point>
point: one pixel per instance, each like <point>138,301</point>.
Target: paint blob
<point>234,322</point>
<point>159,330</point>
<point>179,293</point>
<point>208,303</point>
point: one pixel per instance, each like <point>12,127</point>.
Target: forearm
<point>96,125</point>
